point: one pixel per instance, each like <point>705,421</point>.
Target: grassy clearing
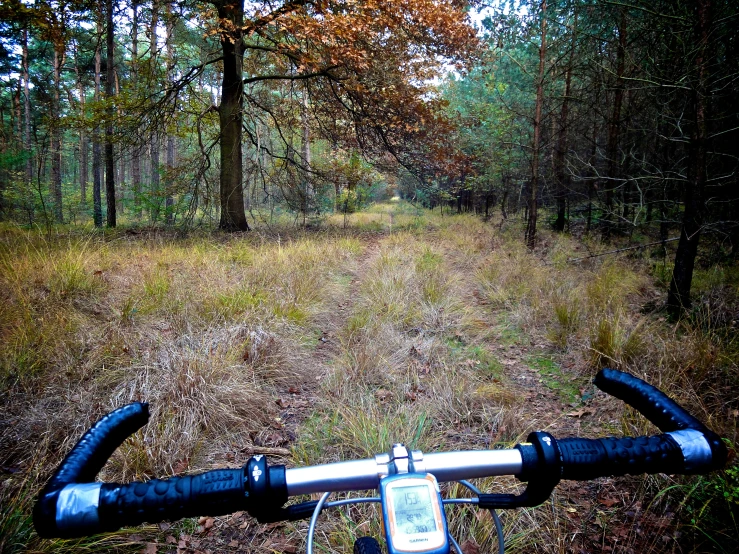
<point>442,332</point>
<point>206,330</point>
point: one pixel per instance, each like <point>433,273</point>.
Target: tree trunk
<point>562,179</point>
<point>614,128</point>
<point>120,175</point>
<point>233,216</point>
<point>109,82</point>
<point>169,202</point>
<point>27,110</point>
<point>83,136</point>
<point>678,298</point>
<point>136,152</point>
<point>97,210</point>
<point>532,207</point>
<point>154,197</point>
<point>56,138</point>
<point>307,186</point>
<point>168,184</point>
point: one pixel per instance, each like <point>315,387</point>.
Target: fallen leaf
<point>470,547</point>
<point>608,502</point>
<point>180,467</point>
<point>171,540</point>
<point>150,548</point>
<point>275,439</point>
<point>383,394</point>
<point>234,544</point>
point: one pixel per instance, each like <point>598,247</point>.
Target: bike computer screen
<point>413,514</point>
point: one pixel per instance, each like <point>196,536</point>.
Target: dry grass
<point>445,333</point>
<point>208,331</point>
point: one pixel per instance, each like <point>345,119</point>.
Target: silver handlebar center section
<point>366,474</point>
<point>399,460</point>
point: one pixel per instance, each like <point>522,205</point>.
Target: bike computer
<point>413,514</point>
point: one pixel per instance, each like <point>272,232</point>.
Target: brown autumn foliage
<point>367,68</point>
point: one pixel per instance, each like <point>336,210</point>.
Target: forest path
<point>465,361</point>
<point>238,532</point>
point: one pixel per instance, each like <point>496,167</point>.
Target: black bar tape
<point>91,452</point>
<point>86,459</point>
<point>658,408</point>
<point>651,402</point>
<point>585,459</point>
<point>213,493</point>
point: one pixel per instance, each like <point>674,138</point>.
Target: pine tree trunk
<point>56,140</point>
<point>136,152</point>
<point>83,142</point>
<point>109,82</point>
<point>27,109</point>
<point>532,204</point>
<point>678,298</point>
<point>97,210</point>
<point>154,144</point>
<point>169,202</point>
<point>120,175</point>
<point>614,128</point>
<point>170,161</point>
<point>562,179</point>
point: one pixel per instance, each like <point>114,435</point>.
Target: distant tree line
<point>180,110</point>
<point>621,118</point>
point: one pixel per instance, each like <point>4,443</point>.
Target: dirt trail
<point>238,532</point>
<point>540,401</point>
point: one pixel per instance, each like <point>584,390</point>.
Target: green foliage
<point>711,504</point>
<point>231,304</point>
<point>553,377</point>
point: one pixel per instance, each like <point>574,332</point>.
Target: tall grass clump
<point>207,330</point>
<point>213,387</point>
<point>512,278</point>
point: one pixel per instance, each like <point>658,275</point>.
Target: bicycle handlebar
<point>71,505</point>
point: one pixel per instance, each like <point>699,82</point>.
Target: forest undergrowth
<point>394,324</point>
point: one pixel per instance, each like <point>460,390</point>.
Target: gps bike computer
<point>413,514</point>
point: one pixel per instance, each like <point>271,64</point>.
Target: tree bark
<point>233,216</point>
<point>532,207</point>
<point>170,161</point>
<point>110,114</point>
<point>614,127</point>
<point>56,137</point>
<point>27,109</point>
<point>678,298</point>
<point>559,155</point>
<point>308,188</point>
<point>83,135</point>
<point>136,152</point>
<point>154,144</point>
<point>97,210</point>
